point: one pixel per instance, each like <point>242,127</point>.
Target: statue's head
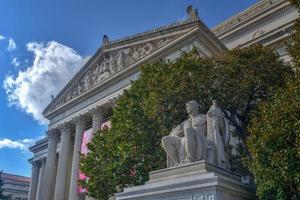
<point>192,108</point>
<point>215,103</point>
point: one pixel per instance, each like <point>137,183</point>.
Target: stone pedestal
<point>195,181</point>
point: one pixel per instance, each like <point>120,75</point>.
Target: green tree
<point>125,154</point>
<point>274,144</point>
<point>2,196</point>
<point>274,140</point>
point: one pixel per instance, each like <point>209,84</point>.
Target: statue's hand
<point>211,112</point>
<point>180,133</point>
<point>177,131</point>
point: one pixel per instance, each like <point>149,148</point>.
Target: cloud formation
<point>2,37</point>
<point>17,144</point>
<point>15,62</point>
<point>53,65</point>
<point>11,44</point>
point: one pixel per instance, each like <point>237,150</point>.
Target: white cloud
<point>53,65</point>
<point>16,144</point>
<point>2,37</point>
<point>15,62</point>
<point>11,44</point>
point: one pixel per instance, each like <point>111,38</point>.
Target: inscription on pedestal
<point>203,197</point>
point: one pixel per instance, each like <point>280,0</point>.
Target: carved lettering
<point>203,197</point>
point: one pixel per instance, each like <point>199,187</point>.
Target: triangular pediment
<point>117,56</point>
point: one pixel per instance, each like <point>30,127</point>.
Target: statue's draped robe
<point>218,133</point>
<point>186,141</point>
<point>174,145</point>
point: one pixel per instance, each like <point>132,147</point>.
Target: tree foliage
<point>274,140</point>
<point>274,144</point>
<point>125,154</point>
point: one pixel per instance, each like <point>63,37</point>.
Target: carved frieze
<point>258,33</point>
<point>111,63</point>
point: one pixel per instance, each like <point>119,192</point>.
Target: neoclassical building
<point>16,186</point>
<point>86,102</point>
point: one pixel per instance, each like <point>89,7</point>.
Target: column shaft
<point>97,119</point>
<point>80,126</point>
<point>61,177</point>
<point>34,180</point>
<point>40,183</point>
<point>50,167</point>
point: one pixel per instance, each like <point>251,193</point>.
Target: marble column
<point>50,167</point>
<point>80,125</point>
<point>62,167</point>
<point>97,119</point>
<point>34,179</point>
<point>40,182</point>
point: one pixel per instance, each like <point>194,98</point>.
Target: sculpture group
<point>111,63</point>
<point>200,137</point>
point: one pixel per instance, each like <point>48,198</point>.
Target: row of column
<point>49,179</point>
<point>38,169</point>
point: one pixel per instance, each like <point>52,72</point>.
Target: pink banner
<point>87,137</point>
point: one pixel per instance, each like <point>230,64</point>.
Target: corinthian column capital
<point>35,163</point>
<point>65,128</point>
<point>97,118</point>
<point>96,113</point>
<point>52,133</point>
<point>80,120</point>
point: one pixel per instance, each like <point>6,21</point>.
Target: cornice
<point>109,80</point>
<point>214,46</point>
<point>41,144</point>
<point>192,16</point>
<point>247,15</point>
<point>105,61</point>
<point>171,27</point>
<point>49,112</point>
<point>280,33</point>
<point>190,21</point>
<point>97,58</point>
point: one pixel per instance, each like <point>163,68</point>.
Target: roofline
<point>113,43</point>
<point>221,28</point>
<point>152,31</point>
<point>38,145</point>
<point>15,175</point>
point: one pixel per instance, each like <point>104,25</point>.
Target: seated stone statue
<point>189,142</point>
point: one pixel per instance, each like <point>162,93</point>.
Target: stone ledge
<point>198,180</point>
<point>190,169</point>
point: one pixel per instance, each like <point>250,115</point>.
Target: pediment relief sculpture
<point>200,137</point>
<point>111,63</point>
<point>258,33</point>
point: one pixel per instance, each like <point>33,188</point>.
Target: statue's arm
<point>177,131</point>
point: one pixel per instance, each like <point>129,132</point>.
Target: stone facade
<point>16,186</point>
<point>88,99</point>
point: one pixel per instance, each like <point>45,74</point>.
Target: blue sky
<point>43,43</point>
